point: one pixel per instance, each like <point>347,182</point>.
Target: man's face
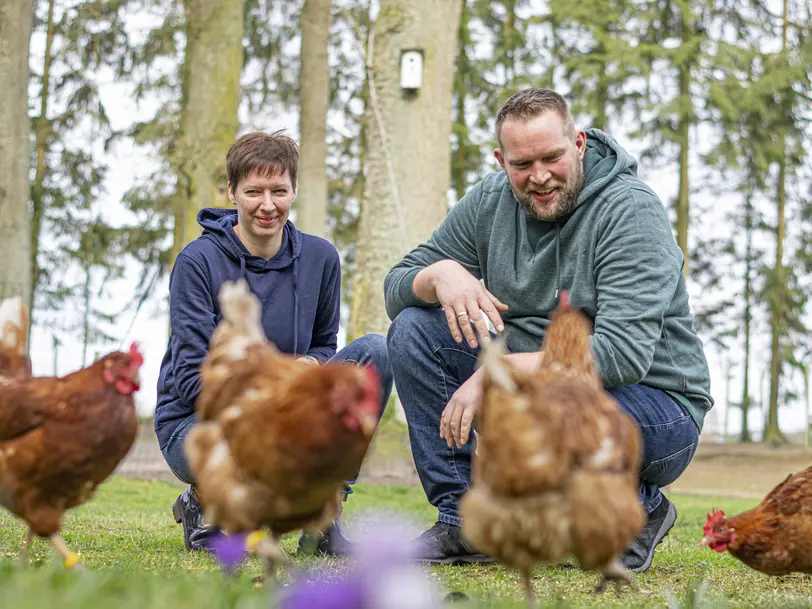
<point>544,164</point>
<point>263,204</point>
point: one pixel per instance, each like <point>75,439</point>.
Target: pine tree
<point>71,127</point>
<point>600,55</point>
<point>674,41</point>
<point>789,78</point>
<point>738,106</point>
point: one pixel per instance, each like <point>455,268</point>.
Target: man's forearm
<point>527,362</point>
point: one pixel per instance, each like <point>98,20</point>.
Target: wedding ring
<point>462,314</point>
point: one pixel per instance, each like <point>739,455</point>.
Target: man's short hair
<point>530,103</point>
<point>270,154</point>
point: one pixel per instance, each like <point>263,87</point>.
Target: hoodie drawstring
<point>242,266</point>
<point>295,306</point>
<point>557,259</point>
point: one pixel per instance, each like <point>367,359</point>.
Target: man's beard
<point>565,199</point>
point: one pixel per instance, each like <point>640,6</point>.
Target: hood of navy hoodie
<point>218,226</point>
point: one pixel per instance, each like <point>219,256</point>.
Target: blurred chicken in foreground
<point>59,437</point>
<point>557,460</point>
<point>277,437</point>
<point>775,537</point>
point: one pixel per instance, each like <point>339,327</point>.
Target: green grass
<point>135,558</point>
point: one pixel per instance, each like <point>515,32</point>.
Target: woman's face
<point>263,205</point>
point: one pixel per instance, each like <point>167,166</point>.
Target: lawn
<point>135,558</point>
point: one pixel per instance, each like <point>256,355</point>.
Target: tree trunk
<point>42,130</point>
<point>16,17</point>
<point>772,432</point>
<point>602,91</point>
<point>86,313</point>
<point>311,206</point>
<point>683,211</point>
<point>508,36</point>
<point>210,101</point>
<point>408,152</point>
<point>748,319</point>
<point>460,162</point>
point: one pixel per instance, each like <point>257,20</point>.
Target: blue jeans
<point>369,349</point>
<point>429,367</point>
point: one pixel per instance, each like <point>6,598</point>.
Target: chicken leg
<point>615,572</point>
<point>26,551</point>
<point>269,552</point>
<point>71,558</point>
<point>530,592</point>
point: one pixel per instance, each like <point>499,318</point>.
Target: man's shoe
<point>332,542</point>
<point>443,543</point>
<point>187,511</point>
<point>640,552</point>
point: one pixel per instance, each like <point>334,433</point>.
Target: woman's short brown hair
<point>270,154</point>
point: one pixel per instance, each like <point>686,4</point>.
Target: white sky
<point>150,328</point>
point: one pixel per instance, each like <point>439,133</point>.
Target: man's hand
<point>309,359</point>
<point>462,298</point>
<point>458,416</point>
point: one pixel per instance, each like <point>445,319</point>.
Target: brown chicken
<point>62,437</point>
<point>557,460</point>
<point>277,437</point>
<point>775,537</point>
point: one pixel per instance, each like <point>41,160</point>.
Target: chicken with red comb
<point>775,537</point>
<point>61,437</point>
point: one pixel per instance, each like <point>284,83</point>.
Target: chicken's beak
<point>705,542</point>
<point>369,423</point>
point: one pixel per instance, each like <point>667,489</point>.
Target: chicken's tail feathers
<point>14,338</point>
<point>495,369</point>
<point>14,325</point>
<point>241,309</point>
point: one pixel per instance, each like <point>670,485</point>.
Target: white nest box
<point>411,69</point>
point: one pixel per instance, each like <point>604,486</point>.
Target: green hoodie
<point>616,255</point>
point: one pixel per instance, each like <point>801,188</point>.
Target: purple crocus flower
<point>347,593</point>
<point>229,550</point>
<point>381,575</point>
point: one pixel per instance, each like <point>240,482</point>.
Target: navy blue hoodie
<point>299,289</point>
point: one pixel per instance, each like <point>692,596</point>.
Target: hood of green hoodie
<point>604,159</point>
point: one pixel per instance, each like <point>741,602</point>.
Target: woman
<point>297,278</point>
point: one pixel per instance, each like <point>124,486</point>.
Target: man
<point>566,212</point>
<point>296,276</point>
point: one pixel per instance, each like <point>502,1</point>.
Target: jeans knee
<point>407,331</point>
<point>378,354</point>
<point>175,458</point>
